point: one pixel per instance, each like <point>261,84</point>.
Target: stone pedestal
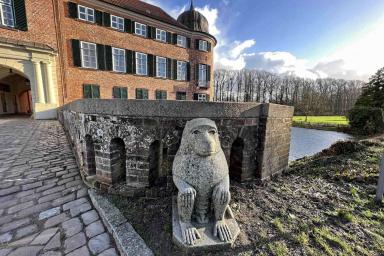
<point>207,242</point>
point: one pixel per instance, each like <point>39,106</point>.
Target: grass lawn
<point>338,120</point>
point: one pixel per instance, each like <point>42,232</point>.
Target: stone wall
<point>134,142</point>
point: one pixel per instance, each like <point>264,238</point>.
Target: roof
<point>145,9</point>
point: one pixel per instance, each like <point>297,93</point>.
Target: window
<point>141,94</point>
<point>91,91</point>
<point>161,35</point>
<point>118,56</point>
<point>140,29</point>
<point>141,64</point>
<point>117,22</point>
<point>181,41</point>
<point>88,55</point>
<point>87,14</point>
<point>120,93</point>
<point>6,13</point>
<point>161,67</point>
<point>181,70</point>
<point>202,97</point>
<point>203,45</point>
<point>202,73</point>
<point>161,95</point>
<point>181,96</point>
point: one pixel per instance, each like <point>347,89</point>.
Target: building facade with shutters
<point>65,50</point>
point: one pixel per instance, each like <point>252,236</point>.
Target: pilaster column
<point>50,88</point>
<point>39,82</point>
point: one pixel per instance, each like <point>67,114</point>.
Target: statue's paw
<point>221,195</point>
<point>188,198</point>
<point>190,235</point>
<point>222,231</point>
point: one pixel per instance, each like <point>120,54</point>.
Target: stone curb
<point>128,241</point>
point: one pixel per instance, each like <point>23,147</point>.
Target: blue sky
<point>310,38</point>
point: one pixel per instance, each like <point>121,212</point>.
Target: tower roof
<point>194,20</point>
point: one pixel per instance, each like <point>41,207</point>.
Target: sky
<point>307,38</point>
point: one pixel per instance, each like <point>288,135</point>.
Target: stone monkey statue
<point>200,172</point>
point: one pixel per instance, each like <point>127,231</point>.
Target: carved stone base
<point>207,242</point>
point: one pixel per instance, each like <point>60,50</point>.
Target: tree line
<point>325,96</point>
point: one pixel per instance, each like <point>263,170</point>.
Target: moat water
<point>307,142</point>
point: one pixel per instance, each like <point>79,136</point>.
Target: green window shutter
<point>72,10</point>
<point>95,92</point>
<point>158,95</point>
<point>195,96</point>
<point>99,17</point>
<point>169,37</point>
<point>108,58</point>
<point>197,44</point>
<point>76,55</point>
<point>209,47</point>
<point>197,72</point>
<point>87,91</point>
<point>129,59</point>
<point>151,65</point>
<point>188,71</point>
<point>124,93</point>
<point>174,69</point>
<point>188,42</point>
<point>101,56</point>
<point>128,25</point>
<point>116,92</point>
<point>139,94</point>
<point>208,73</point>
<point>164,95</point>
<point>169,68</point>
<point>106,19</point>
<point>174,39</point>
<point>20,15</point>
<point>149,32</point>
<point>145,94</point>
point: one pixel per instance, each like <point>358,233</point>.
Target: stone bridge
<point>133,143</point>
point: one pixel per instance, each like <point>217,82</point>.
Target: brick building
<point>53,52</point>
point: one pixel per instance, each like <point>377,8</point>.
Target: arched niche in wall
<point>118,160</point>
<point>154,160</point>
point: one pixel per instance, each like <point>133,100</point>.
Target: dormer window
<point>87,14</point>
<point>140,29</point>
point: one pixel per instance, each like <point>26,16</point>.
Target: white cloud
<point>211,14</point>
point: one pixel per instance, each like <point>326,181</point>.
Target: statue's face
<point>205,140</point>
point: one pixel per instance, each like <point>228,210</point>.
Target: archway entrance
<point>15,92</point>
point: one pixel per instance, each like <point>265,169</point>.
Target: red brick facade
<point>49,23</point>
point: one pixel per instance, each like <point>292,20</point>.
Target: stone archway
<point>37,67</point>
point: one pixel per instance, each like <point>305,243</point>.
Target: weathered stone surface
<point>74,242</point>
<point>44,236</point>
<point>26,231</point>
<point>83,251</point>
<point>99,243</point>
<point>54,243</point>
<point>109,252</point>
<point>14,225</point>
<point>4,252</point>
<point>52,253</point>
<point>201,175</point>
<point>26,251</point>
<point>53,221</point>
<point>94,229</point>
<point>72,227</point>
<point>5,238</point>
<point>74,203</point>
<point>76,210</point>
<point>49,213</point>
<point>89,217</point>
<point>380,183</point>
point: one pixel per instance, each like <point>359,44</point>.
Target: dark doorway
<point>154,160</point>
<point>118,160</point>
<point>89,156</point>
<point>236,159</point>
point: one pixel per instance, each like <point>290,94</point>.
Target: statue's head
<point>200,137</point>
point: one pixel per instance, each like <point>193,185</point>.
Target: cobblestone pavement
<point>44,205</point>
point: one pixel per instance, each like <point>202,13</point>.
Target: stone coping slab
<point>177,109</point>
<point>128,241</point>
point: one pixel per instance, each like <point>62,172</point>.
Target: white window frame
<point>118,23</point>
<point>201,97</point>
<point>141,69</point>
<point>120,52</point>
<point>161,35</point>
<point>182,73</point>
<point>82,49</point>
<point>10,21</point>
<point>86,13</point>
<point>162,73</point>
<point>203,45</point>
<point>182,41</point>
<point>140,29</point>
